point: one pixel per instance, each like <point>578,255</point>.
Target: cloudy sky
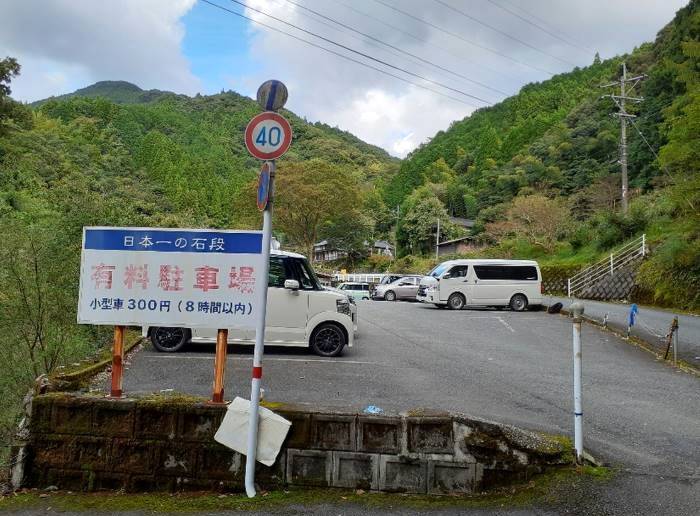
<point>447,57</point>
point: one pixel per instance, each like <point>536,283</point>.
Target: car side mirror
<point>291,284</point>
<point>447,276</point>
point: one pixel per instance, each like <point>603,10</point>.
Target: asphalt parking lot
<point>639,414</point>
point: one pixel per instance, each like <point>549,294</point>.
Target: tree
<point>418,227</point>
<point>9,67</point>
<point>308,194</point>
<point>9,109</point>
<point>536,218</point>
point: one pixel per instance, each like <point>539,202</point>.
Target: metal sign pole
<point>259,344</point>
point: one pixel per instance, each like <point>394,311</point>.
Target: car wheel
<point>328,340</point>
<point>456,301</point>
<point>518,303</point>
<point>169,340</point>
<point>390,296</point>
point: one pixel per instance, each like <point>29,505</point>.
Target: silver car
<point>405,287</point>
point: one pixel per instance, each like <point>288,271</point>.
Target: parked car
<point>355,290</point>
<point>300,312</point>
<point>405,287</point>
<point>460,283</point>
<point>388,278</point>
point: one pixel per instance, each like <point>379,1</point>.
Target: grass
<point>547,489</point>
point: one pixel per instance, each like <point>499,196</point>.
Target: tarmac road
<point>651,325</point>
<point>640,414</point>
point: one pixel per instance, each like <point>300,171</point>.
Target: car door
<point>402,287</point>
<point>412,288</point>
<point>455,280</point>
<point>287,310</point>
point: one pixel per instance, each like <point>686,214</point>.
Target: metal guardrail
<point>631,251</point>
<point>359,277</point>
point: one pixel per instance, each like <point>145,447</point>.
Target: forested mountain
<point>540,174</point>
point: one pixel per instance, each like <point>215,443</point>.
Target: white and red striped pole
<point>259,344</point>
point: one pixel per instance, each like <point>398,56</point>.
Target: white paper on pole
<point>272,430</point>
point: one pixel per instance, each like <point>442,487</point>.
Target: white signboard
<point>170,277</point>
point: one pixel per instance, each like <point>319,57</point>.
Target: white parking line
<point>506,325</point>
<point>270,359</point>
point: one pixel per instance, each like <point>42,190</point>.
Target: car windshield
<point>308,278</point>
<point>437,271</point>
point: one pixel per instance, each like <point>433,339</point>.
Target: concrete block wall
<point>90,443</point>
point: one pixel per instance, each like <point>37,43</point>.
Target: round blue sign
<point>264,185</point>
<point>272,95</point>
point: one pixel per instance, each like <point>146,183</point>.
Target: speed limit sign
<point>268,135</point>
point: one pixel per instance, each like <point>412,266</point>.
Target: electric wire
<point>462,38</point>
<point>348,58</point>
<point>543,29</point>
<point>354,36</point>
<point>389,45</point>
<point>503,33</point>
<point>662,167</point>
<point>363,54</point>
<point>423,40</point>
<point>544,22</point>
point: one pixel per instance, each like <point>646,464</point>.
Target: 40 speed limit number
<point>268,136</point>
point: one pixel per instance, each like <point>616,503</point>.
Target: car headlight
<point>343,306</point>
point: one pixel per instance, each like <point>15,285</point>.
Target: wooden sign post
<point>217,395</point>
<point>117,362</point>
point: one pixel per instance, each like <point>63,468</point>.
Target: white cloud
<point>67,44</point>
<point>63,45</point>
<point>397,116</point>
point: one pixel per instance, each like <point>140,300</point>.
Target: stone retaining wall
<point>91,443</point>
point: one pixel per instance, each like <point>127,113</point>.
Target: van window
<point>459,271</point>
<point>277,274</point>
<point>506,272</point>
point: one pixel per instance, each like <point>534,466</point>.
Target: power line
<point>366,56</point>
<point>369,36</point>
<point>348,58</point>
<point>389,51</point>
<point>544,22</point>
<point>663,167</point>
<point>503,33</point>
<point>422,40</point>
<point>455,35</point>
<point>543,29</point>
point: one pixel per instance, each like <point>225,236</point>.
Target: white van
<point>300,312</point>
<point>460,283</point>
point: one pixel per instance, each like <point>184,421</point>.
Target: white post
<point>259,345</point>
<point>577,310</point>
<point>644,244</point>
<point>568,287</point>
<point>612,268</point>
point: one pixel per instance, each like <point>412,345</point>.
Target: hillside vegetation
<point>540,174</point>
<point>113,154</point>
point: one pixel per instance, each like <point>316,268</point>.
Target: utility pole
<point>623,116</point>
<point>396,233</point>
<point>437,241</point>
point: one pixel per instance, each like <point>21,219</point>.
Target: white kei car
<point>300,312</point>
